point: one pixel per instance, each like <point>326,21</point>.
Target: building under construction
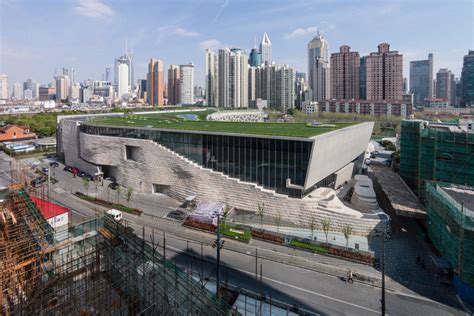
<point>432,151</point>
<point>99,267</point>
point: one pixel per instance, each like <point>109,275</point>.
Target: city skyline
<point>93,33</point>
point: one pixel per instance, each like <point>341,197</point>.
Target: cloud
<point>301,32</point>
<point>212,44</point>
<point>185,33</point>
<point>93,9</point>
<point>222,7</point>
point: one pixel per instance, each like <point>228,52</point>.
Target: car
<point>67,168</point>
<point>81,174</point>
<point>53,164</point>
<point>38,181</point>
<point>111,179</point>
<point>45,169</point>
<point>113,185</point>
<point>367,161</point>
<point>116,214</point>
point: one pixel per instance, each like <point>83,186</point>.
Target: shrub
<point>308,246</point>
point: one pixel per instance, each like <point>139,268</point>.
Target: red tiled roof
<point>48,209</point>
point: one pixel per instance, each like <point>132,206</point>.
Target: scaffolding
<point>99,267</point>
<point>451,228</point>
<point>434,154</point>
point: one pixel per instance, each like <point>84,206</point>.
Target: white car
<point>116,214</point>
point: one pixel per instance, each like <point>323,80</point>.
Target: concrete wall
<point>334,150</point>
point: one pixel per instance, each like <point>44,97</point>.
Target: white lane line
<point>295,287</point>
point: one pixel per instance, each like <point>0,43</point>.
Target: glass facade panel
<point>269,162</point>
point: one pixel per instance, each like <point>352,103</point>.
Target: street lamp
<point>382,234</point>
<point>218,244</point>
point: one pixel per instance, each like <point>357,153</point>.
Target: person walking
<point>350,278</point>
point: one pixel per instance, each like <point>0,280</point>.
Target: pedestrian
<point>350,278</point>
<point>418,260</point>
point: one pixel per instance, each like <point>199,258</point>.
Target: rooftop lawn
<point>199,123</point>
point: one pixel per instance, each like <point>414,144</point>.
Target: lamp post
<point>218,244</point>
<point>382,234</point>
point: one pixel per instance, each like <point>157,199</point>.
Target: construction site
<point>98,267</point>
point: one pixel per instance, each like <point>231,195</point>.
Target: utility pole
<point>383,273</point>
<point>218,244</point>
<point>461,241</point>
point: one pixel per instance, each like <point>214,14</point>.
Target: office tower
<point>457,92</point>
<point>127,59</point>
<point>421,79</point>
<point>33,86</point>
<point>75,91</point>
<point>142,86</point>
<point>186,84</point>
<point>73,75</point>
<point>62,87</point>
<point>47,93</point>
<point>3,87</point>
<point>384,71</point>
<point>266,49</point>
<point>17,91</point>
<point>444,85</point>
<point>318,67</point>
<point>467,80</point>
<point>276,84</point>
<point>345,68</point>
<point>173,85</point>
<point>27,94</point>
<point>198,92</point>
<point>86,91</point>
<point>405,85</point>
<point>233,78</point>
<point>107,74</point>
<point>122,79</point>
<point>255,59</point>
<point>65,71</point>
<point>252,85</point>
<point>301,89</point>
<point>363,78</point>
<point>300,75</point>
<point>212,88</point>
<point>155,82</point>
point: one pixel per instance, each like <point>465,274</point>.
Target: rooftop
<point>461,194</point>
<point>196,121</point>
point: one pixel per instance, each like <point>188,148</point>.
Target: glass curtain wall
<point>268,162</point>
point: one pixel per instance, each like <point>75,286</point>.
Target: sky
<point>37,37</point>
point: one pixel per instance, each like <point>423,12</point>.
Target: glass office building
<point>276,163</point>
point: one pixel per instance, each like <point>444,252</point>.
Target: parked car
<point>45,169</point>
<point>111,179</point>
<point>116,214</point>
<point>113,185</point>
<point>38,181</point>
<point>53,164</point>
<point>81,174</point>
<point>67,168</point>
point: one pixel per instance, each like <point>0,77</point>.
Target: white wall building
<point>266,49</point>
<point>212,90</point>
<point>3,87</point>
<point>62,87</point>
<point>17,91</point>
<point>122,79</point>
<point>186,84</point>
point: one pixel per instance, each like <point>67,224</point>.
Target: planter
<point>116,206</point>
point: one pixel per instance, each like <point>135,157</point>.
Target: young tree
<point>326,224</point>
<point>261,212</point>
<point>85,183</point>
<point>107,188</point>
<point>129,195</point>
<point>278,221</point>
<point>312,226</point>
<point>347,231</point>
<point>118,190</point>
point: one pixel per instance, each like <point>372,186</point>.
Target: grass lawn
<point>197,121</point>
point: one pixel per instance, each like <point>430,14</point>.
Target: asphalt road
<point>312,291</point>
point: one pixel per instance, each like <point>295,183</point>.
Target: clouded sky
<point>36,37</point>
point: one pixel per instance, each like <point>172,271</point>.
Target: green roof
<point>196,121</point>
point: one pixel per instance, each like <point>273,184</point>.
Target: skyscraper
<point>445,85</point>
<point>33,86</point>
<point>421,79</point>
<point>173,85</point>
<point>363,78</point>
<point>17,91</point>
<point>252,89</point>
<point>107,74</point>
<point>275,84</point>
<point>318,67</point>
<point>255,59</point>
<point>266,49</point>
<point>123,86</point>
<point>155,82</point>
<point>212,91</point>
<point>62,87</point>
<point>384,71</point>
<point>3,87</point>
<point>467,80</point>
<point>186,84</point>
<point>127,59</point>
<point>232,78</point>
<point>345,67</point>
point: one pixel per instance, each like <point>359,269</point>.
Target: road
<point>313,291</point>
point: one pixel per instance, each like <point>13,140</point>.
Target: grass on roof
<point>196,121</point>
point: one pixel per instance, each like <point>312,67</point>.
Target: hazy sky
<point>36,37</point>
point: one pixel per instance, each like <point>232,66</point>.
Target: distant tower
<point>122,79</point>
<point>266,49</point>
<point>128,59</point>
<point>3,87</point>
<point>186,84</point>
<point>107,74</point>
<point>318,67</point>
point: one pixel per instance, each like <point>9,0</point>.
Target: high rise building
<point>173,85</point>
<point>467,80</point>
<point>73,75</point>
<point>127,59</point>
<point>17,91</point>
<point>318,67</point>
<point>155,82</point>
<point>62,87</point>
<point>232,84</point>
<point>142,85</point>
<point>275,84</point>
<point>255,58</point>
<point>212,87</point>
<point>186,84</point>
<point>107,74</point>
<point>266,49</point>
<point>421,79</point>
<point>302,91</point>
<point>47,93</point>
<point>405,85</point>
<point>33,86</point>
<point>384,71</point>
<point>3,87</point>
<point>345,67</point>
<point>445,85</point>
<point>123,86</point>
<point>75,91</point>
<point>363,78</point>
<point>252,89</point>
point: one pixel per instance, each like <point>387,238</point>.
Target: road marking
<point>293,286</point>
